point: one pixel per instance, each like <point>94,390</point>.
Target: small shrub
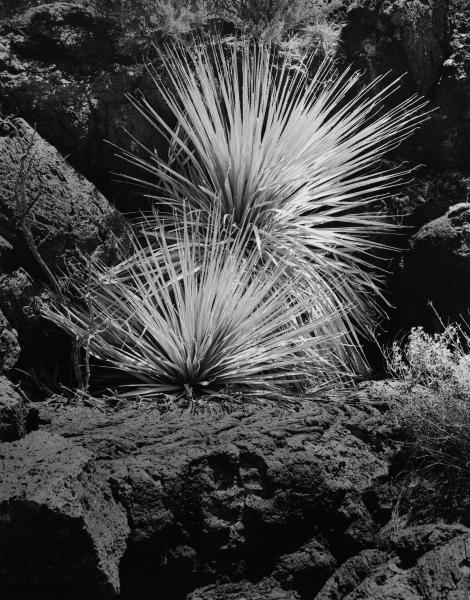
<point>273,19</point>
<point>434,407</point>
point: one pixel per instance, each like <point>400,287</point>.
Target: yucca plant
<point>290,156</point>
<point>192,309</point>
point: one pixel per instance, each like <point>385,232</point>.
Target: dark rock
<point>449,139</point>
<point>64,211</point>
<point>432,563</point>
<point>60,528</point>
<point>429,197</point>
<point>19,302</point>
<point>351,574</point>
<point>9,347</point>
<point>266,589</point>
<point>305,569</point>
<point>15,415</point>
<point>66,215</point>
<point>402,36</point>
<point>411,543</point>
<point>437,270</point>
<point>441,573</point>
<point>67,67</point>
<point>242,494</point>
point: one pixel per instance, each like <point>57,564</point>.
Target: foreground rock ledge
<point>241,495</point>
<point>258,504</point>
<point>60,528</point>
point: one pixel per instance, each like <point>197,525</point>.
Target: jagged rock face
<point>65,67</point>
<point>401,36</point>
<point>428,43</point>
<point>64,212</point>
<point>451,140</point>
<point>266,589</point>
<point>250,494</point>
<point>60,528</point>
<point>438,568</point>
<point>260,504</point>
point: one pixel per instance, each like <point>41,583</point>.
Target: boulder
<point>67,67</point>
<point>247,494</point>
<point>64,211</point>
<point>63,214</point>
<point>437,270</point>
<point>303,569</point>
<point>402,36</point>
<point>15,416</point>
<point>437,568</point>
<point>428,43</point>
<point>60,528</point>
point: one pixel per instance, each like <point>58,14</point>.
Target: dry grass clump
<point>274,20</point>
<point>434,408</point>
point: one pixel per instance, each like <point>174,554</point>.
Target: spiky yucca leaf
<point>200,312</point>
<point>291,155</point>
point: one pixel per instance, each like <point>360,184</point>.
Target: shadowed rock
<point>236,495</point>
<point>15,415</point>
<point>437,269</point>
<point>60,528</point>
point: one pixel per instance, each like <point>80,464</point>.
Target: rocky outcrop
<point>16,417</point>
<point>64,211</point>
<point>403,36</point>
<point>48,213</point>
<point>439,569</point>
<point>67,67</point>
<point>429,45</point>
<point>449,144</point>
<point>60,528</point>
<point>246,494</point>
<point>260,503</point>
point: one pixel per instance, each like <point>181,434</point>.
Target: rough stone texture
<point>404,36</point>
<point>67,67</point>
<point>239,495</point>
<point>19,304</point>
<point>60,528</point>
<point>264,503</point>
<point>14,414</point>
<point>303,569</point>
<point>351,574</point>
<point>437,269</point>
<point>266,589</point>
<point>65,214</point>
<point>65,211</point>
<point>450,139</point>
<point>427,562</point>
<point>9,347</point>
